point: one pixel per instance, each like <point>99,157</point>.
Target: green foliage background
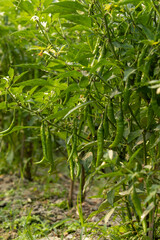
<point>89,72</point>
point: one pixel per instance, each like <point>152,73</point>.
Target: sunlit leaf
<point>77,107</point>
<point>108,215</point>
<point>147,210</point>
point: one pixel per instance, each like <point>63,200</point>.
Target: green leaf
<point>104,205</point>
<point>34,82</point>
<point>56,64</point>
<point>134,135</point>
<point>74,74</point>
<point>84,146</point>
<point>101,63</point>
<point>78,19</point>
<point>31,65</point>
<point>59,115</point>
<point>127,192</point>
<point>65,7</point>
<point>151,195</point>
<point>11,73</point>
<point>112,174</point>
<point>61,222</point>
<point>110,196</point>
<point>2,105</point>
<point>73,87</point>
<point>27,6</point>
<point>19,76</point>
<point>80,28</point>
<point>149,34</point>
<point>89,178</point>
<point>134,155</point>
<point>24,34</point>
<point>84,82</point>
<point>137,202</point>
<point>18,128</point>
<point>105,62</point>
<point>47,2</point>
<point>108,215</point>
<point>77,107</point>
<point>147,210</point>
<point>135,2</point>
<point>128,72</point>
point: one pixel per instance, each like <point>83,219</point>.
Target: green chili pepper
<point>96,50</point>
<point>78,167</point>
<point>90,121</point>
<point>111,112</point>
<point>150,116</point>
<point>137,204</point>
<point>80,125</point>
<point>154,104</point>
<point>105,124</point>
<point>74,149</point>
<point>68,95</point>
<point>141,56</point>
<point>49,150</point>
<point>133,156</point>
<point>100,142</point>
<point>43,140</point>
<point>119,131</point>
<point>44,144</point>
<point>70,160</point>
<point>127,93</point>
<point>146,70</point>
<point>8,130</point>
<point>101,56</point>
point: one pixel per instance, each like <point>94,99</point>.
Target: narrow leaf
<point>108,215</point>
<point>65,7</point>
<point>134,135</point>
<point>134,155</point>
<point>2,105</point>
<point>77,107</point>
<point>19,76</point>
<point>78,19</point>
<point>147,211</point>
<point>17,128</point>
<point>137,202</point>
<point>110,196</point>
<point>11,73</point>
<point>34,82</point>
<point>128,72</point>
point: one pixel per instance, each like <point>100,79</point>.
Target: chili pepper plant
<point>87,73</point>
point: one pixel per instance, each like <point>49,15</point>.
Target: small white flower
<point>35,18</point>
<point>158,90</point>
<point>6,78</point>
<point>44,24</point>
<point>20,27</point>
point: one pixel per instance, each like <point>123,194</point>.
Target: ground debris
<point>41,206</point>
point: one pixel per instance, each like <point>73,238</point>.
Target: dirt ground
<point>38,210</point>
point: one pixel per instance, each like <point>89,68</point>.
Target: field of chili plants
<point>79,119</point>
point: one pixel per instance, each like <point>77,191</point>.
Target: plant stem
<point>38,114</point>
<point>130,109</point>
<point>109,37</point>
<point>156,8</point>
<point>70,197</point>
<point>144,148</point>
<point>128,210</point>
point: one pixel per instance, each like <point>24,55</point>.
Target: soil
<point>40,207</point>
